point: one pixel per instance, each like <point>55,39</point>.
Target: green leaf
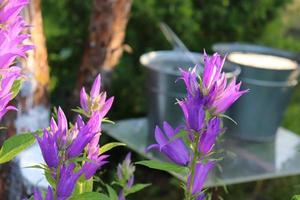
<point>14,145</point>
<point>296,197</point>
<point>112,193</point>
<point>36,167</point>
<point>80,111</point>
<point>110,146</point>
<point>50,179</point>
<point>107,121</point>
<point>180,134</point>
<point>164,166</point>
<point>137,187</point>
<point>16,87</point>
<point>90,196</point>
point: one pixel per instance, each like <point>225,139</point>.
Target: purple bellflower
<point>97,161</point>
<point>174,149</point>
<point>213,92</point>
<point>194,113</point>
<point>67,181</point>
<point>125,175</point>
<point>85,135</point>
<point>38,196</point>
<point>190,79</point>
<point>96,101</point>
<point>209,136</point>
<point>220,95</point>
<point>201,173</point>
<point>49,148</point>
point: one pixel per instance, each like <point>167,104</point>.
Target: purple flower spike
<point>208,138</point>
<point>84,136</point>
<point>125,174</point>
<point>96,101</point>
<point>174,149</point>
<point>97,161</point>
<point>67,181</point>
<point>201,173</point>
<point>220,96</point>
<point>11,47</point>
<point>49,148</point>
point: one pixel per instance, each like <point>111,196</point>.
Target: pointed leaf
<point>112,193</point>
<point>164,166</point>
<point>110,146</point>
<point>50,179</point>
<point>90,196</point>
<point>227,117</point>
<point>36,167</point>
<point>14,145</point>
<point>80,111</point>
<point>16,87</point>
<point>137,187</point>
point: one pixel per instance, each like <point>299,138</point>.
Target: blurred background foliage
<point>199,24</point>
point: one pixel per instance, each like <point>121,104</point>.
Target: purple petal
<point>201,173</point>
<point>95,91</point>
<point>84,100</point>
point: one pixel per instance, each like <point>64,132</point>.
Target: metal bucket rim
<point>146,58</point>
<point>258,49</point>
<point>263,83</point>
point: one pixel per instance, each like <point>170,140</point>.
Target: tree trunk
<point>32,103</point>
<point>105,43</point>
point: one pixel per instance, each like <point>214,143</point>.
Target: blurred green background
<point>199,24</point>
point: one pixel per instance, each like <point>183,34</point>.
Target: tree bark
<point>32,103</point>
<point>105,43</point>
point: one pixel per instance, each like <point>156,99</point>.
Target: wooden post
<point>105,43</point>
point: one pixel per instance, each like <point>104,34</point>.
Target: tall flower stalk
<point>208,97</point>
<point>72,151</point>
<point>73,155</point>
<point>12,26</point>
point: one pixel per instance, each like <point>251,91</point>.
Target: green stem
<point>189,195</point>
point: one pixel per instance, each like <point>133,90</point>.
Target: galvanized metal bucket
<point>162,70</point>
<point>259,112</point>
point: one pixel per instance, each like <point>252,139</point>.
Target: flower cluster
<point>125,176</point>
<point>96,101</point>
<point>207,98</point>
<point>62,146</point>
<point>12,26</point>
